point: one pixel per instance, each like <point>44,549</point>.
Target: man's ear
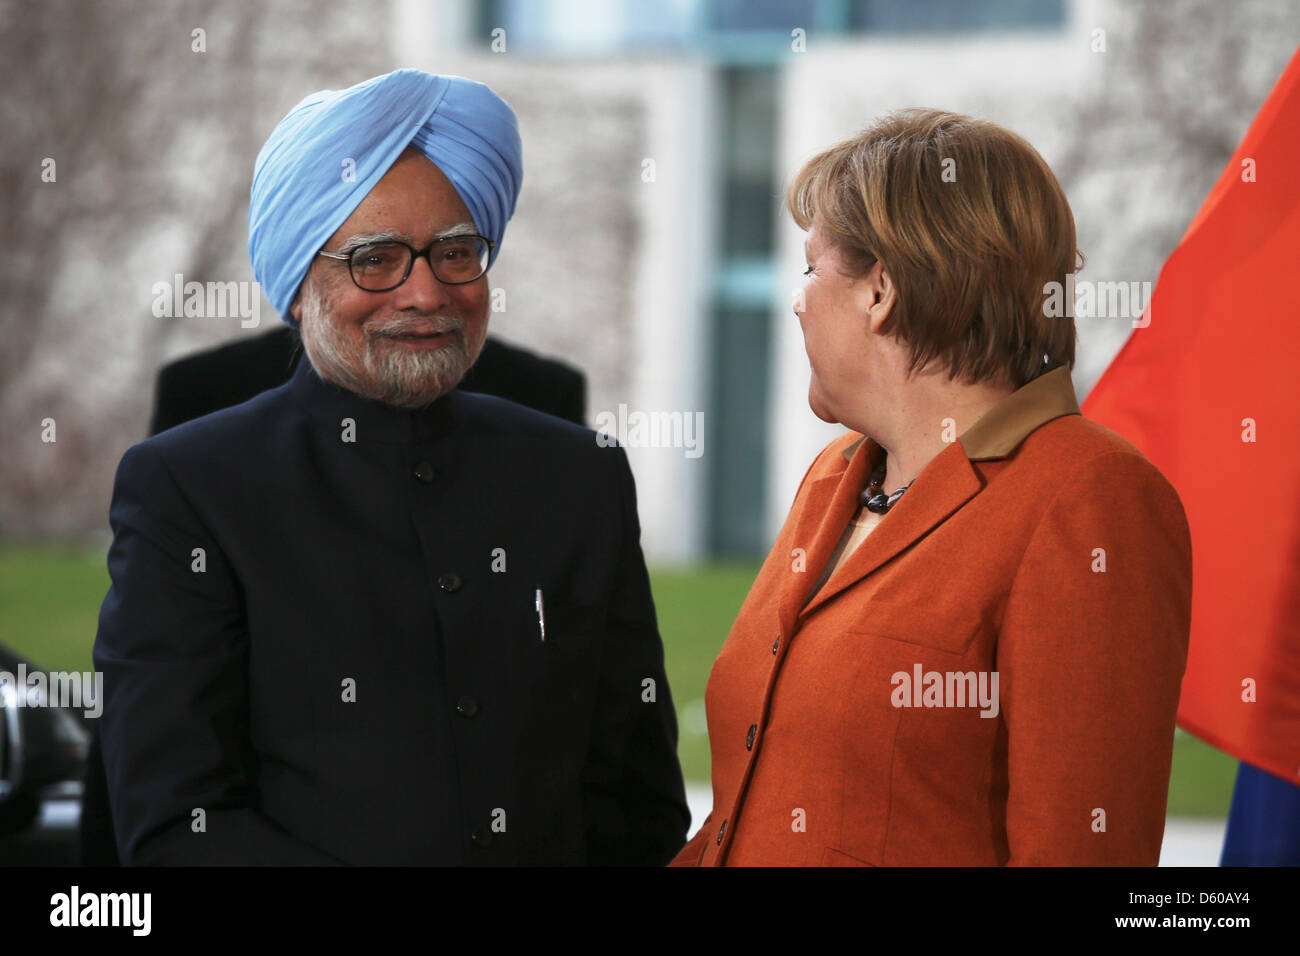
<point>294,307</point>
<point>881,295</point>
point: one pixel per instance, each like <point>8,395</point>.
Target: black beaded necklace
<point>873,497</point>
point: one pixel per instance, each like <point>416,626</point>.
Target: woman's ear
<point>881,295</point>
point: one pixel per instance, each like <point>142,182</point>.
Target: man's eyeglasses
<point>383,266</point>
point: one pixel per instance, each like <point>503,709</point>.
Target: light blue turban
<point>327,154</point>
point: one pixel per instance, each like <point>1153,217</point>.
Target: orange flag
<point>1208,391</point>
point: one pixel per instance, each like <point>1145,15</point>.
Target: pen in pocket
<point>541,614</point>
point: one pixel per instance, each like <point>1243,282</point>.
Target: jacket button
<point>481,837</point>
<point>449,583</point>
<point>424,472</point>
<point>749,737</point>
<point>467,706</point>
<point>721,830</point>
<point>776,643</point>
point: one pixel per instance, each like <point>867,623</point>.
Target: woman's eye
<point>808,271</point>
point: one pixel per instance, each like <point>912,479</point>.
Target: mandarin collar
<point>328,404</point>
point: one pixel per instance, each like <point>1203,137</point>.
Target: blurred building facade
<point>650,246</point>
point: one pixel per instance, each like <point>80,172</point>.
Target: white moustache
<point>416,326</point>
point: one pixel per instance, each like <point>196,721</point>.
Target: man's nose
<point>422,290</point>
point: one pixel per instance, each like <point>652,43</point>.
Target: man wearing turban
<point>365,617</point>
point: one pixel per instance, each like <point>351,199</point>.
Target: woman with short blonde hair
<point>967,643</point>
<point>973,225</point>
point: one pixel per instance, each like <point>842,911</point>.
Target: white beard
<point>381,369</point>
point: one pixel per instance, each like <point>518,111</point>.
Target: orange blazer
<point>868,727</point>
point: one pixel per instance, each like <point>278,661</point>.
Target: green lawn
<point>50,597</point>
<point>49,603</point>
<point>696,608</point>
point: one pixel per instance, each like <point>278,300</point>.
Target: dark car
<point>42,763</point>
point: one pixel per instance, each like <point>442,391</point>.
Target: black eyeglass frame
<point>415,254</point>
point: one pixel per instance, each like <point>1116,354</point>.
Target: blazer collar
<point>328,404</point>
<point>943,486</point>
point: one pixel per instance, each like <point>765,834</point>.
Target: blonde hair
<point>969,223</point>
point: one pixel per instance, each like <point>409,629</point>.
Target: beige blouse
<point>860,525</point>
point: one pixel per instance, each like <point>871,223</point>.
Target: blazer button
<point>721,830</point>
<point>481,837</point>
<point>449,583</point>
<point>776,643</point>
<point>467,706</point>
<point>749,737</point>
<point>424,472</point>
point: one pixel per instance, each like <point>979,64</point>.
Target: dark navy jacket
<point>323,650</point>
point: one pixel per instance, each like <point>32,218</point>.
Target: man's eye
<point>808,271</point>
<point>453,253</point>
<point>374,256</point>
